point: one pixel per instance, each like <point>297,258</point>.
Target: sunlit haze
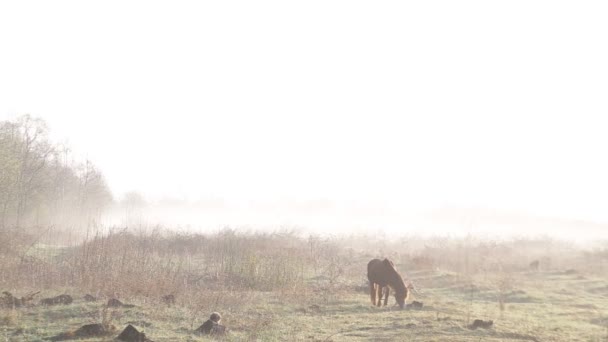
<point>343,114</point>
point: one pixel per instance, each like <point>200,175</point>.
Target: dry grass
<point>283,287</point>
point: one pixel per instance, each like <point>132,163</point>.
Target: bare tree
<point>38,182</point>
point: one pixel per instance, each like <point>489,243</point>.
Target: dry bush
<point>595,261</point>
<point>155,263</point>
<point>470,254</point>
<point>16,265</point>
<point>504,284</point>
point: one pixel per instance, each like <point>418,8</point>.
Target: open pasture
<point>282,287</point>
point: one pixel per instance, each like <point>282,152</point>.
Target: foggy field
<point>536,277</point>
<point>287,287</point>
<point>165,163</point>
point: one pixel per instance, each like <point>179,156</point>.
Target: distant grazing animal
<point>534,265</point>
<point>382,275</point>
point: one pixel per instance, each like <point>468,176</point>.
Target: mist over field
<point>303,171</point>
<point>336,115</point>
<point>328,219</point>
<point>45,183</point>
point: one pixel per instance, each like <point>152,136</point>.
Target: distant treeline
<point>40,184</point>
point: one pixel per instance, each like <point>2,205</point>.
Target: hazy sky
<point>498,104</point>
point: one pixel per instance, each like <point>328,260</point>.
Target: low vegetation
<point>285,287</point>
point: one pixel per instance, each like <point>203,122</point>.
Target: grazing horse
<point>382,275</point>
<point>534,265</point>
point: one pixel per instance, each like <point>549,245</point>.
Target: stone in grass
<point>86,331</point>
<point>61,299</point>
<point>130,334</point>
<point>478,323</point>
<point>212,326</point>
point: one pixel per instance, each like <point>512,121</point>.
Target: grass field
<point>319,295</point>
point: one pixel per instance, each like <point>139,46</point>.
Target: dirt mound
<point>169,299</point>
<point>89,298</point>
<point>61,299</point>
<point>415,305</point>
<point>115,303</point>
<point>95,329</point>
<point>87,330</point>
<point>130,334</point>
<point>478,323</point>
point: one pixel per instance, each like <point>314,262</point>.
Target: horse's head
<point>400,297</point>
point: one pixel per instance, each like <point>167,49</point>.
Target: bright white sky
<point>421,104</point>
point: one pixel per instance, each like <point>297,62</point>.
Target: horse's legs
<point>372,292</point>
<point>380,289</point>
<point>387,289</point>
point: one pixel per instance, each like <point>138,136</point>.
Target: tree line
<point>41,184</point>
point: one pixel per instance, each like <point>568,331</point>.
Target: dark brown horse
<point>382,275</point>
